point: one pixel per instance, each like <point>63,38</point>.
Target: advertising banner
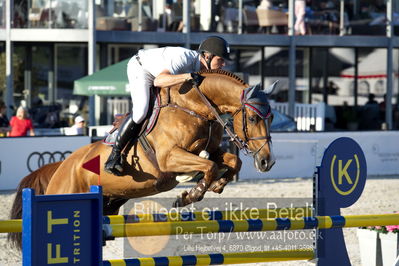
<point>21,156</point>
<point>297,154</point>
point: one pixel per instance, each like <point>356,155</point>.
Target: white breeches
<point>140,82</point>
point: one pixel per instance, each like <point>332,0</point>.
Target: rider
<point>161,67</point>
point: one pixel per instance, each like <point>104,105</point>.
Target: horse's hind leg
<point>182,161</point>
<point>227,161</point>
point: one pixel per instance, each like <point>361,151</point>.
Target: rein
<point>233,137</point>
<point>241,144</point>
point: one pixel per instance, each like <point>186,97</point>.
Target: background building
<point>349,51</point>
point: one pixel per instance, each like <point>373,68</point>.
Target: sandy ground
<point>380,196</point>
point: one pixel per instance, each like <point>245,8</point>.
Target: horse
<point>188,123</point>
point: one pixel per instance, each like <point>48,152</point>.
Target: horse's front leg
<point>224,160</point>
<point>179,160</point>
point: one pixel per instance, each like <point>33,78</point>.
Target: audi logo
<point>38,159</point>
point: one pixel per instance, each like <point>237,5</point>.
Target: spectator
<point>4,123</point>
<point>300,7</point>
<point>266,4</point>
<point>382,106</point>
<point>78,128</point>
<point>370,116</point>
<point>371,99</point>
<point>21,124</point>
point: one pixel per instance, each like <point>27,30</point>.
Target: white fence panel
<point>307,116</point>
<point>117,106</point>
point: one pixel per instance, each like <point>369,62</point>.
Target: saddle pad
<point>110,138</point>
<point>150,121</point>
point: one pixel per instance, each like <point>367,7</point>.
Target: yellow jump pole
<point>199,227</point>
<point>250,213</point>
<point>11,226</point>
<point>15,225</point>
<point>221,258</point>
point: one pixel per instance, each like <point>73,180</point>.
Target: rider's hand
<point>196,78</point>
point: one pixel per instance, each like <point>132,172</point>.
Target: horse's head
<point>252,125</point>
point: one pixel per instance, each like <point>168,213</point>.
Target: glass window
<point>395,92</point>
<point>275,67</point>
<point>331,75</point>
<point>248,62</point>
<point>2,13</point>
<point>71,64</point>
<point>124,15</point>
<point>19,15</point>
<point>322,17</point>
<point>19,62</point>
<point>119,52</point>
<point>2,71</point>
<point>56,14</point>
<point>366,17</point>
<point>41,69</point>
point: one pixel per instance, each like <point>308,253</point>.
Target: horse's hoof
<point>178,202</point>
<point>218,190</point>
<point>218,185</point>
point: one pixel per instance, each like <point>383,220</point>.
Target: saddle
<point>149,121</point>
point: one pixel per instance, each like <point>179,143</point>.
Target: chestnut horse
<point>188,123</point>
<point>186,126</point>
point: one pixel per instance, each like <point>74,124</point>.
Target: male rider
<point>161,67</point>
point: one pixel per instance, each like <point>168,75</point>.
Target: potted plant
<point>379,245</point>
<point>389,237</point>
<point>370,246</point>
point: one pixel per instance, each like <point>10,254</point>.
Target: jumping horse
<point>188,122</point>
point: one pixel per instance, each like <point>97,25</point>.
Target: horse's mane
<point>222,72</point>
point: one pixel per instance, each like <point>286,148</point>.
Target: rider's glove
<point>196,78</point>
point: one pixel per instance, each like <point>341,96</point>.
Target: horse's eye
<point>252,119</point>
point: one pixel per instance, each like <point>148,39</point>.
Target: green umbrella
<point>109,81</point>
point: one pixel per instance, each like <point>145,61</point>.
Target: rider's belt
<point>138,60</point>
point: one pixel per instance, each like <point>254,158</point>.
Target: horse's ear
<point>271,88</point>
<point>252,91</point>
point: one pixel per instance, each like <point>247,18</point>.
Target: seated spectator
<point>21,124</point>
<point>78,128</point>
<point>266,4</point>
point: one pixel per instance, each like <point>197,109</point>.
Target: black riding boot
<point>128,131</point>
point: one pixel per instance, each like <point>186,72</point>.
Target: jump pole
<point>218,258</point>
<point>258,225</point>
<point>15,225</point>
<point>48,220</point>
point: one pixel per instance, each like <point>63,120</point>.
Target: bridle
<point>265,118</point>
<point>240,143</point>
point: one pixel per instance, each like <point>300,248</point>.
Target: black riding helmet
<point>216,46</point>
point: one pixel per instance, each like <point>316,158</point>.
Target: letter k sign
<point>344,172</point>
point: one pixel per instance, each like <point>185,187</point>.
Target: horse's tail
<point>38,180</point>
